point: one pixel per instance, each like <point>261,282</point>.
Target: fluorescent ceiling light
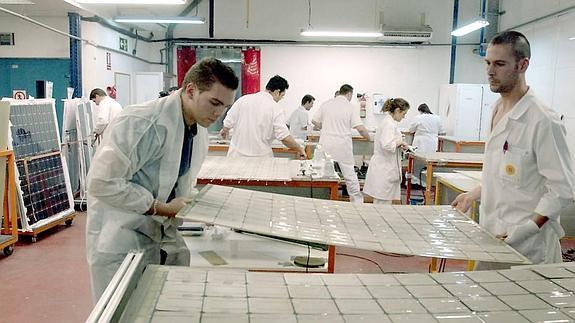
<point>469,28</point>
<point>354,34</point>
<point>572,38</point>
<point>16,2</point>
<point>132,1</point>
<point>161,20</point>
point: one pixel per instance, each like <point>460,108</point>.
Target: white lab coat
<point>534,175</point>
<point>383,177</point>
<point>426,128</point>
<point>136,163</point>
<point>298,122</point>
<point>337,117</point>
<point>108,110</point>
<point>256,120</point>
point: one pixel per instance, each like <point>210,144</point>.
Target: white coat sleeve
<point>554,162</point>
<point>414,125</point>
<point>318,115</point>
<point>281,131</point>
<point>232,117</point>
<point>355,119</point>
<point>103,118</point>
<point>116,162</point>
<point>388,140</point>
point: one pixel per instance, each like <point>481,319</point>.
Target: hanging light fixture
<point>161,20</point>
<point>132,1</point>
<point>478,24</point>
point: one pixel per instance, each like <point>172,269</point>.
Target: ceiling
<point>60,8</point>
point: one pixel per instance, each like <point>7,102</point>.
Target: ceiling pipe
<point>108,24</point>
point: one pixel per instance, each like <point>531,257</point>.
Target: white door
<point>147,86</point>
<point>123,84</point>
<point>469,112</point>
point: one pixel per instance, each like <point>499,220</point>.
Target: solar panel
<point>429,231</point>
<point>44,188</point>
<point>179,294</point>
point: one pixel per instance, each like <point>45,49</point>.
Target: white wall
<point>551,73</point>
<point>413,74</point>
<point>32,41</point>
<point>94,70</point>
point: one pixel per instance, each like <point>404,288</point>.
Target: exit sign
<point>123,44</point>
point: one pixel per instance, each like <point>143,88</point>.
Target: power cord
<point>363,258</point>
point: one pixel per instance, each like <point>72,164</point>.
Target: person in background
<point>299,119</point>
<point>172,89</point>
<point>145,170</point>
<point>528,174</point>
<point>164,94</point>
<point>336,118</point>
<point>383,179</point>
<point>426,127</point>
<point>257,120</point>
<point>108,109</point>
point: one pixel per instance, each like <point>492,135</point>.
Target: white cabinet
<point>465,110</point>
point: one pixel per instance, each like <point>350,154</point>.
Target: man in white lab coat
<point>336,118</point>
<point>257,120</point>
<point>107,108</point>
<point>145,169</point>
<point>299,119</point>
<point>527,173</point>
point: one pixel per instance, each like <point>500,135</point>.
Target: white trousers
<point>351,182</point>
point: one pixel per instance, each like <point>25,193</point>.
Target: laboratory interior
<point>287,161</point>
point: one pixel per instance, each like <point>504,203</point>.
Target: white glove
<point>521,232</point>
<point>219,233</point>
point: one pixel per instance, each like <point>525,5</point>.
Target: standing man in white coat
<point>145,170</point>
<point>336,118</point>
<point>108,109</point>
<point>257,120</point>
<point>527,173</point>
<point>298,122</point>
<point>426,127</point>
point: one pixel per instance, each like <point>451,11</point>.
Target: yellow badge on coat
<point>510,169</point>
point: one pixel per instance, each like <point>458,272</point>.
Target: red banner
<point>250,71</point>
<point>186,59</point>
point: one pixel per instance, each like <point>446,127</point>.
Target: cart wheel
<point>68,223</point>
<point>34,239</point>
<point>8,250</point>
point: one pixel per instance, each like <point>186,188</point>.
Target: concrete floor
<point>48,281</point>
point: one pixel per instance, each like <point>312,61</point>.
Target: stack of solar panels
<point>77,142</point>
<point>44,188</point>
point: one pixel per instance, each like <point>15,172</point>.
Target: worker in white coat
<point>145,170</point>
<point>383,179</point>
<point>426,127</point>
<point>108,109</point>
<point>257,120</point>
<point>335,119</point>
<point>298,121</point>
<point>527,172</point>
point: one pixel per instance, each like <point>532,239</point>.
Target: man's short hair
<point>277,83</point>
<point>97,91</point>
<point>345,89</point>
<point>518,41</point>
<point>307,98</point>
<point>208,71</point>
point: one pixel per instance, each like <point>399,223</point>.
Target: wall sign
<point>123,44</point>
<point>108,61</point>
<point>19,94</point>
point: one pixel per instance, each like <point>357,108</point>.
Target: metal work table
<point>289,181</point>
<point>439,160</point>
<point>454,144</point>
